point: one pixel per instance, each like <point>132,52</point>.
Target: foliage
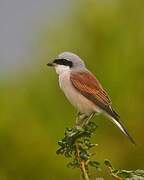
<point>76,145</point>
<point>124,174</point>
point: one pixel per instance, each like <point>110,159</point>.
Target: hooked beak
<point>50,64</point>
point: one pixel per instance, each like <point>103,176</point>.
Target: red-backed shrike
<point>83,90</point>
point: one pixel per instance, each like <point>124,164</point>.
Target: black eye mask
<point>63,62</point>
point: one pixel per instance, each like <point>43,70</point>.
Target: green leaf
<point>74,164</point>
<point>124,174</point>
<point>94,164</point>
<point>108,163</point>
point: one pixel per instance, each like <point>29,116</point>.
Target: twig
<point>76,145</point>
<point>83,164</point>
<point>113,172</point>
<point>114,175</point>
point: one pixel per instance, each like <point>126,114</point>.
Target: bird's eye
<point>63,62</point>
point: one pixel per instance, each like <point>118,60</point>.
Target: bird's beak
<point>50,63</point>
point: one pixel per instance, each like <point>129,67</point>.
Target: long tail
<point>116,120</point>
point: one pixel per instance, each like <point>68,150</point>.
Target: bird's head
<point>66,61</point>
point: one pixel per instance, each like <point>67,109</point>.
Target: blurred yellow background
<point>109,36</point>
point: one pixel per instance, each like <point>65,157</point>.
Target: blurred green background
<point>109,36</point>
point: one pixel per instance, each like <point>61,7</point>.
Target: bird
<point>84,91</point>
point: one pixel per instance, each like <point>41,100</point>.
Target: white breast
<point>75,98</point>
<point>61,69</point>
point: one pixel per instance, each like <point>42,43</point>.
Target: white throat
<point>61,69</point>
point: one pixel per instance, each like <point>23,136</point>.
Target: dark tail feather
<point>116,120</point>
<point>114,117</point>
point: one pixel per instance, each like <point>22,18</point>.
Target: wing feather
<point>87,84</point>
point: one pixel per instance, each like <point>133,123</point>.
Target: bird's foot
<point>82,120</point>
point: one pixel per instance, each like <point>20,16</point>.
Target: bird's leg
<point>89,118</point>
<point>79,124</point>
<point>77,117</point>
<point>80,120</point>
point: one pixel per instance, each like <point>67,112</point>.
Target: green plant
<point>77,144</point>
<point>124,174</point>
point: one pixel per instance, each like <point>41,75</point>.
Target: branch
<point>124,174</point>
<point>76,145</point>
<point>83,164</point>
